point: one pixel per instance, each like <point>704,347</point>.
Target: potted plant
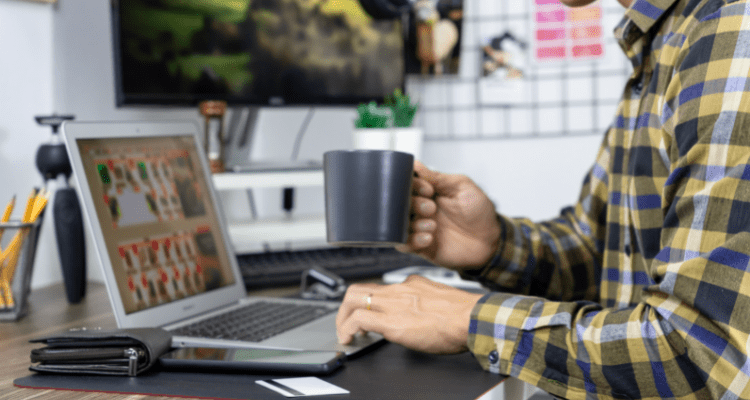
<point>389,125</point>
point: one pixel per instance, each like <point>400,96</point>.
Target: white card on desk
<point>300,387</point>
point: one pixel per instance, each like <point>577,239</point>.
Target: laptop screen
<point>160,230</point>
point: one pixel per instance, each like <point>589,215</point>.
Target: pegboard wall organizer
<point>572,92</point>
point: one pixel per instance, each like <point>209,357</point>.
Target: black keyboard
<point>280,268</point>
<point>254,322</point>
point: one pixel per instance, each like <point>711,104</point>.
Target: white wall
<point>26,87</point>
<point>533,178</point>
<point>62,62</point>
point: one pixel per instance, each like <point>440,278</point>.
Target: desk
<point>49,313</point>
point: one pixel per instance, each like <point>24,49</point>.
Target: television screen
<point>261,52</point>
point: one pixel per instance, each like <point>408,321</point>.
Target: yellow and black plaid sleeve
<point>558,259</point>
<point>641,291</point>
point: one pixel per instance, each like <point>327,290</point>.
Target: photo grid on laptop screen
<point>160,230</point>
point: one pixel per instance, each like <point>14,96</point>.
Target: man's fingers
<point>434,178</point>
<point>361,320</point>
<point>423,207</point>
<point>418,281</point>
<point>420,169</point>
<point>372,297</point>
<point>421,187</point>
<point>424,225</point>
<point>365,287</point>
<point>420,241</point>
<point>421,236</point>
<point>356,298</point>
<point>442,184</point>
<point>404,248</point>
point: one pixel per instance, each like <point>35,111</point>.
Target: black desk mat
<point>388,371</point>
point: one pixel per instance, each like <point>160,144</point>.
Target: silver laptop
<point>167,259</point>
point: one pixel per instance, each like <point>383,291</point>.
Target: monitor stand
<point>239,136</point>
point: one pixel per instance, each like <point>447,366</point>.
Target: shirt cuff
<point>490,345</point>
<point>504,250</point>
<point>497,338</point>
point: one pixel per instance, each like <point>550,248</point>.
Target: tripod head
<point>53,120</point>
<point>52,159</point>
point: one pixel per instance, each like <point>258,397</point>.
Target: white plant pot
<point>407,140</point>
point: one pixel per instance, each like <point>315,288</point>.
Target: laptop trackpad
<point>320,335</point>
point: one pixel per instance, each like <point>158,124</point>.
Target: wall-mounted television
<point>253,52</point>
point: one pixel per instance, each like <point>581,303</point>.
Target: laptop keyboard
<point>254,322</point>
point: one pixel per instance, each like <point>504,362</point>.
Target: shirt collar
<point>639,18</point>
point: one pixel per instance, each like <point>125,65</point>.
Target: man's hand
<point>419,314</point>
<point>454,222</point>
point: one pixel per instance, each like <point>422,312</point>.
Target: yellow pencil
<point>6,215</point>
<point>5,219</point>
<point>39,202</point>
<point>8,272</point>
<point>9,209</point>
<point>5,287</point>
<point>29,205</point>
<point>9,260</point>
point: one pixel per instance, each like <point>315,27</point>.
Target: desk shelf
<point>250,180</point>
<point>271,174</point>
<point>248,234</point>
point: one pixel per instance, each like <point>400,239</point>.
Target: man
<point>641,289</point>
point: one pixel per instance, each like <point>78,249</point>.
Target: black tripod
<point>52,161</point>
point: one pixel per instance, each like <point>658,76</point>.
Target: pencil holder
<point>19,240</point>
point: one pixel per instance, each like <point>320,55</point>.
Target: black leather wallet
<point>126,352</point>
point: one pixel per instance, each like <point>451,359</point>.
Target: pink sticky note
<point>550,52</point>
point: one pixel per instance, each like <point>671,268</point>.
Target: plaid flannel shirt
<point>641,290</point>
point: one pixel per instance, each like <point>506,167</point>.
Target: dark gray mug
<point>367,196</point>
